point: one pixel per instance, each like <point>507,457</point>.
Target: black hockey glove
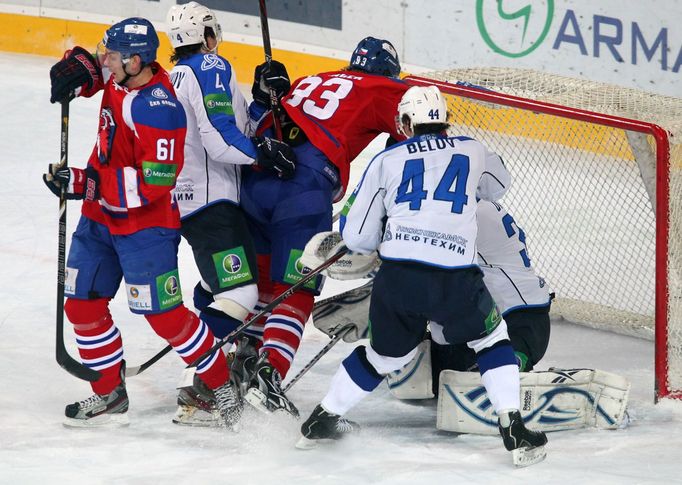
<point>270,76</point>
<point>275,155</point>
<point>76,73</point>
<point>81,184</point>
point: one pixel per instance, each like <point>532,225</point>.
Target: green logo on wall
<point>514,33</point>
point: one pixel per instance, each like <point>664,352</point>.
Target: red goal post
<point>576,152</point>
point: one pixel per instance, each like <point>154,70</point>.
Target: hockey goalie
<point>552,400</point>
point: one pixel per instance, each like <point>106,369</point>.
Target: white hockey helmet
<point>187,23</point>
<point>422,105</point>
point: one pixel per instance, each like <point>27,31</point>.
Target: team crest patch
<point>159,93</point>
<point>232,267</point>
<point>139,297</point>
<point>210,61</point>
<point>296,271</point>
<point>168,289</point>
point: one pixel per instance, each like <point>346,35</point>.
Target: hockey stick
<point>68,363</point>
<point>274,102</point>
<point>229,338</point>
<point>335,339</point>
<point>133,371</point>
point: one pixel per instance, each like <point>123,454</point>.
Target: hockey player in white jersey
<point>220,125</point>
<point>521,295</point>
<point>416,205</point>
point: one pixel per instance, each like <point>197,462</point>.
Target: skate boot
<point>230,405</point>
<point>197,406</point>
<point>100,410</point>
<point>323,426</point>
<point>265,391</point>
<point>527,446</point>
<point>243,365</point>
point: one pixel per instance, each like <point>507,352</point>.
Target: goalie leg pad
<point>414,381</point>
<point>550,401</point>
<point>348,308</point>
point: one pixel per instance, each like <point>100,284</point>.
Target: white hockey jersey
<point>426,189</point>
<point>219,126</point>
<point>503,257</point>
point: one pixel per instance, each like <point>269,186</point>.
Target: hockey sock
<point>355,379</point>
<point>99,341</point>
<point>284,328</point>
<point>219,322</point>
<point>500,375</point>
<point>266,291</point>
<point>190,337</point>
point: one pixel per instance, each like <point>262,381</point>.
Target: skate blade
<point>523,457</point>
<point>192,416</point>
<point>257,399</point>
<point>306,444</point>
<point>102,421</point>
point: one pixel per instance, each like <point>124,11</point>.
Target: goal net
<point>597,186</point>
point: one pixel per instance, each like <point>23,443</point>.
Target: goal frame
<point>661,136</point>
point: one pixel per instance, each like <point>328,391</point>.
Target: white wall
<point>603,40</point>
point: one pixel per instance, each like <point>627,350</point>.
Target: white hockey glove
<point>351,266</point>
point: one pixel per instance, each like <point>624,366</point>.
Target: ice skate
<point>230,405</point>
<point>324,426</point>
<point>527,446</point>
<point>265,393</point>
<point>243,365</point>
<point>99,410</point>
<point>197,406</point>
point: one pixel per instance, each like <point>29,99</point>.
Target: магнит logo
<point>514,32</point>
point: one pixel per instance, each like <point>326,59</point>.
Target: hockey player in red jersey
<point>329,118</point>
<point>130,222</point>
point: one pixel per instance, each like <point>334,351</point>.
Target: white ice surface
<point>399,443</point>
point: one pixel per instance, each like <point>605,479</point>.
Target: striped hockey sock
<point>284,328</point>
<point>99,341</point>
<point>190,337</point>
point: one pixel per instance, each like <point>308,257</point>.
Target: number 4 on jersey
<point>456,173</point>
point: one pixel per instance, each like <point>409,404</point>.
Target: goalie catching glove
<point>351,266</point>
<point>346,313</point>
<point>80,184</point>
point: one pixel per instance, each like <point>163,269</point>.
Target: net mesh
<point>585,195</point>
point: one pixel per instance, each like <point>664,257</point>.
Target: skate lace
<point>91,402</point>
<point>226,397</point>
<point>344,425</point>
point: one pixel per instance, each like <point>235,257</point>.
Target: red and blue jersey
<point>341,112</point>
<point>138,155</point>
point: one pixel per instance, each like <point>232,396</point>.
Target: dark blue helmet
<point>133,36</point>
<point>376,56</point>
